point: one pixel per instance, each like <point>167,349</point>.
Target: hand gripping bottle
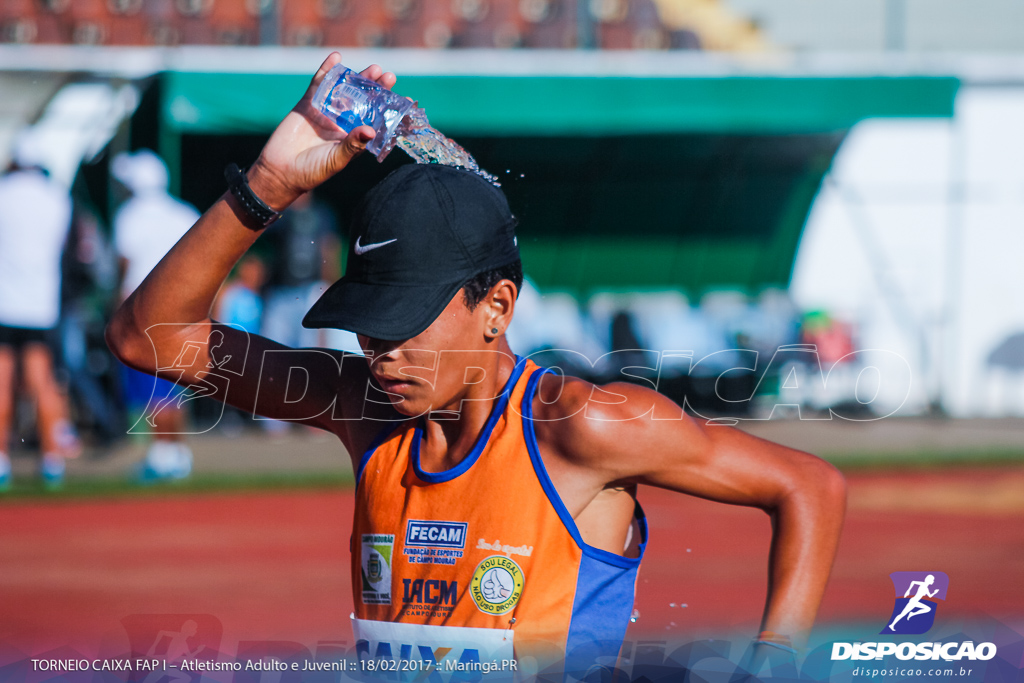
<point>349,100</point>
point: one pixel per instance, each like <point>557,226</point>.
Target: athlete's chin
<point>410,406</point>
<point>409,398</point>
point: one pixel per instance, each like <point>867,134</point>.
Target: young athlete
<point>495,504</point>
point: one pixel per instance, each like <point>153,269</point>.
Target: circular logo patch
<point>496,585</point>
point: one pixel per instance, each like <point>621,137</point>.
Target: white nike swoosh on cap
<point>362,249</point>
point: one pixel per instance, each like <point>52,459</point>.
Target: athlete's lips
<point>392,384</point>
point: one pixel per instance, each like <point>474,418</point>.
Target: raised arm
<point>165,324</point>
<point>625,434</point>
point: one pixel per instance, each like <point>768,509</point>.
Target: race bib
<point>452,652</point>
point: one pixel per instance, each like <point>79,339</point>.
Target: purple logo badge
<point>916,595</point>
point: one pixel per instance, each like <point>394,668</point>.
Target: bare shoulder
<point>606,427</point>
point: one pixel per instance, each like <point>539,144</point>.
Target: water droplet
<point>684,605</point>
<point>671,604</point>
<point>508,170</point>
<point>522,175</point>
<point>687,550</point>
<point>633,617</point>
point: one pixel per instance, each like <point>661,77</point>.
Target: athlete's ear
<point>498,307</point>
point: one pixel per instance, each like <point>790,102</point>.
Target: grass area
<point>97,487</point>
<point>924,459</point>
<point>198,483</point>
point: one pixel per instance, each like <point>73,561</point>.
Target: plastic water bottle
<point>349,100</point>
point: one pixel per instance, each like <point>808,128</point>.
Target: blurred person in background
<point>307,253</point>
<point>239,303</point>
<point>307,258</point>
<point>88,280</point>
<point>34,225</point>
<point>832,338</point>
<point>834,358</point>
<point>146,226</point>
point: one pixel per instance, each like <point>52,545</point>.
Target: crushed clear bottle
<point>347,100</point>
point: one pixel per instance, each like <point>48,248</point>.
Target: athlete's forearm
<point>806,528</point>
<point>182,288</point>
<point>299,155</point>
<point>805,496</point>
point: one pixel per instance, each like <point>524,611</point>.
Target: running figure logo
<point>173,638</point>
<point>914,612</point>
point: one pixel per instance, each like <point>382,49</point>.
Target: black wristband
<point>257,209</point>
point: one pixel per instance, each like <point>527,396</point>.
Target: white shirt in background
<point>35,216</point>
<point>145,229</point>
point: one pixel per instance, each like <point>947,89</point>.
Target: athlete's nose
<point>377,347</point>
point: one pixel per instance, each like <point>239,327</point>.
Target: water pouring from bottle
<point>347,100</point>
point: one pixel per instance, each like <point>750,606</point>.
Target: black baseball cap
<point>416,238</point>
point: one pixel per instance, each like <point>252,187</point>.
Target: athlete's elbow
<point>814,489</point>
<point>827,486</point>
<point>128,344</point>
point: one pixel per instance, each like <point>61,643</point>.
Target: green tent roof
<point>657,181</point>
<point>578,105</point>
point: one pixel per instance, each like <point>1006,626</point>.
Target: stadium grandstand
<point>606,24</point>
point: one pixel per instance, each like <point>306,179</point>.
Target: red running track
<point>274,566</point>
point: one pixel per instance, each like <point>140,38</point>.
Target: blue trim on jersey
<point>601,611</point>
<point>530,437</point>
<point>641,523</point>
<point>497,410</point>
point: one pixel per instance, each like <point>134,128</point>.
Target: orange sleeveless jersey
<point>484,549</point>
